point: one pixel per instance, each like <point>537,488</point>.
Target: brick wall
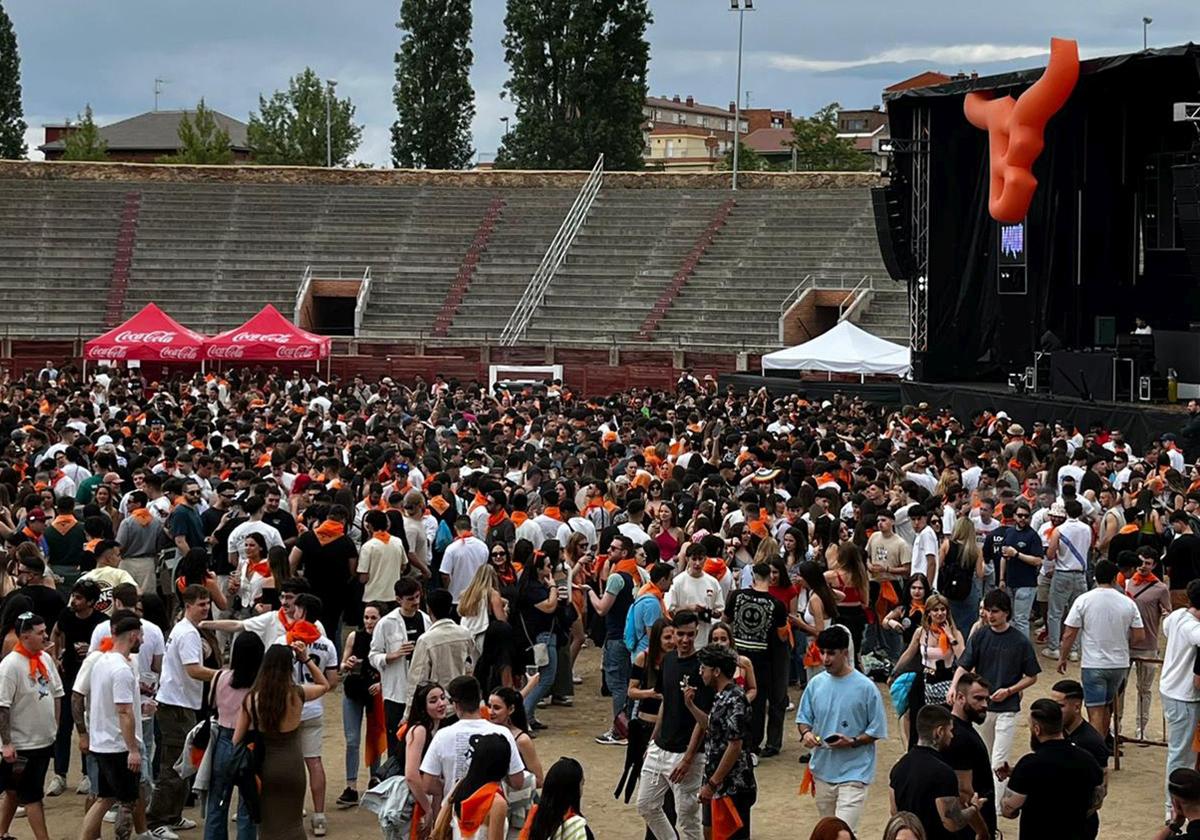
<point>493,179</point>
<point>815,313</point>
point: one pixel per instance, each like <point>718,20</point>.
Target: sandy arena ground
<point>1133,808</point>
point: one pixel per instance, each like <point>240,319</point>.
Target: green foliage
<point>748,160</point>
<point>578,81</point>
<point>12,126</point>
<point>435,102</point>
<point>289,128</point>
<point>84,141</point>
<point>201,140</point>
<point>819,149</point>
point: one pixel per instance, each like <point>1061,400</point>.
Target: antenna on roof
<point>158,86</point>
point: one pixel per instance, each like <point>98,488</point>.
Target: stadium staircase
<point>685,271</point>
<point>119,279</point>
<point>466,271</point>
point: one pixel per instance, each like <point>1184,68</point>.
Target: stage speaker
<point>1187,202</point>
<point>1105,333</point>
<point>891,229</point>
<point>1050,343</point>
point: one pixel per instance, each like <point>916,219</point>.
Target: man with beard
<point>966,753</point>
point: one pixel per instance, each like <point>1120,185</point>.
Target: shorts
<point>1043,588</point>
<point>29,783</point>
<point>310,737</point>
<point>1101,685</point>
<point>117,781</point>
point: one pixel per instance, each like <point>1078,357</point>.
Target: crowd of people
<point>193,564</point>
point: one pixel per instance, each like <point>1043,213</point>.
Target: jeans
<point>652,789</point>
<point>545,674</point>
<point>617,667</point>
<point>1065,587</point>
<point>1181,719</point>
<point>997,732</point>
<point>170,791</point>
<point>1022,603</point>
<point>353,713</point>
<point>216,814</point>
<point>879,638</point>
<point>844,800</point>
<point>966,611</point>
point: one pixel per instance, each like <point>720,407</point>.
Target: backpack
<point>955,579</point>
<point>443,537</point>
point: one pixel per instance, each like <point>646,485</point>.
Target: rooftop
<point>769,140</point>
<point>683,105</point>
<point>157,131</point>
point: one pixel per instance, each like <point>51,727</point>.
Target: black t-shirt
<point>1088,739</point>
<point>1183,560</point>
<point>1002,659</point>
<point>677,722</point>
<point>533,621</point>
<point>1123,542</point>
<point>211,520</point>
<point>281,521</point>
<point>327,568</point>
<point>967,751</point>
<point>918,780</point>
<point>76,630</point>
<point>414,626</point>
<point>754,617</point>
<point>1058,781</point>
<point>46,602</point>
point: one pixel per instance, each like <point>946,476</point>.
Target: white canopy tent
<point>843,349</point>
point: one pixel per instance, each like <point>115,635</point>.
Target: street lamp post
<point>330,85</point>
<point>741,7</point>
<point>505,121</point>
<point>1146,21</point>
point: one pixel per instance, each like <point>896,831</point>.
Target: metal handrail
<point>302,294</point>
<point>846,305</point>
<point>360,303</point>
<point>794,294</point>
<point>535,292</point>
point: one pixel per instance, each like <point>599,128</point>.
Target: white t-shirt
<point>30,701</point>
<point>112,681</point>
<point>382,563</point>
<point>184,647</point>
<point>925,544</point>
<point>578,525</point>
<point>449,753</point>
<point>1106,616</point>
<point>238,536</point>
<point>268,627</point>
<point>461,560</point>
<point>1183,635</point>
<point>687,591</point>
<point>153,643</point>
<point>325,658</point>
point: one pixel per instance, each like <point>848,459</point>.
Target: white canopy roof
<point>843,349</point>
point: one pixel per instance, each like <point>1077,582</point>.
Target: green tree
<point>748,160</point>
<point>202,140</point>
<point>578,81</point>
<point>819,149</point>
<point>12,126</point>
<point>435,102</point>
<point>289,128</point>
<point>84,142</point>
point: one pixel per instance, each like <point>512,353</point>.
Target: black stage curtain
<point>1080,264</point>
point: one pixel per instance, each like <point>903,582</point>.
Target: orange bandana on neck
<point>383,536</point>
<point>652,589</point>
<point>328,531</point>
<point>474,809</point>
<point>141,516</point>
<point>303,631</point>
<point>553,512</point>
<point>519,518</point>
<point>716,567</point>
<point>262,569</point>
<point>1140,579</point>
<point>630,567</point>
<point>439,504</point>
<point>496,518</point>
<point>63,523</point>
<point>37,668</point>
<point>479,501</point>
<point>106,644</point>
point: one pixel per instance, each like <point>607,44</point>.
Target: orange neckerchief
<point>439,504</point>
<point>262,569</point>
<point>474,809</point>
<point>630,567</point>
<point>36,666</point>
<point>478,501</point>
<point>651,589</point>
<point>553,512</point>
<point>383,504</point>
<point>383,536</point>
<point>1128,529</point>
<point>519,518</point>
<point>283,619</point>
<point>106,644</point>
<point>758,527</point>
<point>27,531</point>
<point>328,531</point>
<point>465,535</point>
<point>63,523</point>
<point>1140,579</point>
<point>90,545</point>
<point>916,606</point>
<point>716,567</point>
<point>496,518</point>
<point>529,821</point>
<point>303,631</point>
<point>943,638</point>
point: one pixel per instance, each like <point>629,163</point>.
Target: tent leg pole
<point>202,367</point>
<point>85,370</point>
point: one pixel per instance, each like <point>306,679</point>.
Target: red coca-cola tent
<point>268,336</point>
<point>149,336</point>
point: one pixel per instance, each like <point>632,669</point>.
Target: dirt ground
<point>1133,808</point>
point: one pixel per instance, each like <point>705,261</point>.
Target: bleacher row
<point>212,254</point>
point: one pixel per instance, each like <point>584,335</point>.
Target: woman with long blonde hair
<point>483,613</point>
<point>961,557</point>
<point>932,655</point>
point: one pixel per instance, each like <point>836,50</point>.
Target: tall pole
<point>737,97</point>
<point>1146,21</point>
<point>329,127</point>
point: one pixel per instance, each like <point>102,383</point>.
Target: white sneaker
<point>1073,656</point>
<point>20,812</point>
<point>319,826</point>
<point>183,824</point>
<point>160,833</point>
<point>110,816</point>
<point>1050,652</point>
<point>84,788</point>
<point>576,679</point>
<point>57,786</point>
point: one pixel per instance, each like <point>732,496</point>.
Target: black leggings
<point>855,620</point>
<point>496,654</point>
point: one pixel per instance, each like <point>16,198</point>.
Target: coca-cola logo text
<point>151,337</point>
<point>233,351</point>
<point>302,352</point>
<point>114,352</point>
<point>179,353</point>
<point>269,338</point>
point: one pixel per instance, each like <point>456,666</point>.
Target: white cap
<point>103,440</point>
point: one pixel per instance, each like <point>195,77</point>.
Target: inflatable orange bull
<point>1015,130</point>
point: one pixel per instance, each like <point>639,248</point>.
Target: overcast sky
<point>798,55</point>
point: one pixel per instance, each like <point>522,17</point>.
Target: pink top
<point>228,700</point>
<point>668,546</point>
